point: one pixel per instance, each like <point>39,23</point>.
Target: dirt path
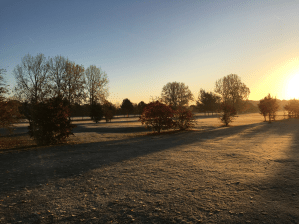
<point>248,173</point>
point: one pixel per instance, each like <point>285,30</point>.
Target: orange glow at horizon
<point>292,89</point>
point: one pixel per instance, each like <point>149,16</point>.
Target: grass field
<point>120,173</point>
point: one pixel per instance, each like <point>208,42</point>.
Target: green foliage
<point>50,123</point>
<point>157,116</point>
<point>268,107</point>
<point>292,108</point>
<point>228,112</point>
<point>96,112</point>
<point>183,119</point>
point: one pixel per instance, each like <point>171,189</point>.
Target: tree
<point>183,118</point>
<point>141,105</point>
<point>58,75</point>
<point>108,110</point>
<point>96,84</point>
<point>228,112</point>
<point>208,102</point>
<point>292,108</point>
<point>73,88</point>
<point>50,123</point>
<point>176,94</point>
<point>232,90</point>
<point>268,106</point>
<point>9,109</point>
<point>127,106</point>
<point>96,112</point>
<point>3,86</point>
<point>157,116</point>
<point>32,78</point>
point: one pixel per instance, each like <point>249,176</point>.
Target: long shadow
<point>283,187</point>
<point>32,168</point>
<point>41,165</point>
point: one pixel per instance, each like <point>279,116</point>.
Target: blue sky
<point>142,45</point>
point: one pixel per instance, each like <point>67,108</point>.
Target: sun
<point>293,87</point>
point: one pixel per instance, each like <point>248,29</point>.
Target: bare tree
<point>73,87</point>
<point>96,84</point>
<point>32,78</point>
<point>176,94</point>
<point>232,90</point>
<point>3,86</point>
<point>58,75</point>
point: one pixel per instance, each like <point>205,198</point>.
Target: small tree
<point>108,110</point>
<point>268,106</point>
<point>157,116</point>
<point>96,112</point>
<point>183,119</point>
<point>141,105</point>
<point>9,109</point>
<point>50,123</point>
<point>228,112</point>
<point>292,108</point>
<point>127,106</point>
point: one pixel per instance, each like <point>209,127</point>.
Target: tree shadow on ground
<point>47,164</point>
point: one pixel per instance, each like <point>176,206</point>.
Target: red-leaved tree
<point>183,118</point>
<point>50,123</point>
<point>157,116</point>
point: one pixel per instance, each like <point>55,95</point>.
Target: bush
<point>50,123</point>
<point>183,119</point>
<point>228,112</point>
<point>96,112</point>
<point>9,114</point>
<point>157,116</point>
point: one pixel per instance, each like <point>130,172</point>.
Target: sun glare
<point>293,87</point>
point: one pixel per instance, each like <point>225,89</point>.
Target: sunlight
<point>293,87</point>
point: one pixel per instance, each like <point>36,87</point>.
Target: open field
<point>119,173</point>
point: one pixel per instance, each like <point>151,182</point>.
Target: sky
<point>142,45</point>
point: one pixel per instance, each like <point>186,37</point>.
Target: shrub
<point>157,116</point>
<point>9,114</point>
<point>50,123</point>
<point>183,118</point>
<point>228,112</point>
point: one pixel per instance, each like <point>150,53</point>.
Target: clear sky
<point>142,45</point>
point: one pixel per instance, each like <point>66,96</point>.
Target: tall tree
<point>3,86</point>
<point>73,88</point>
<point>232,90</point>
<point>58,75</point>
<point>176,94</point>
<point>32,78</point>
<point>96,84</point>
<point>208,102</point>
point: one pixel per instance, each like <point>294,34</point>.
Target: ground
<point>119,173</point>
